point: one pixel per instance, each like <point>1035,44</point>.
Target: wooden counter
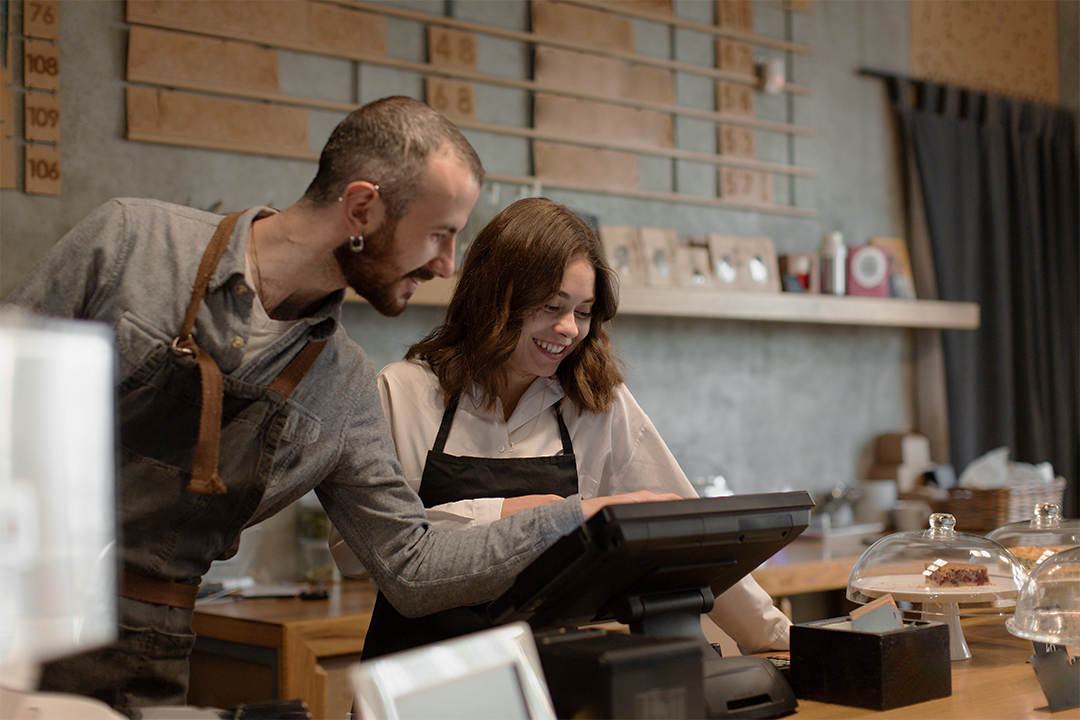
<point>810,564</point>
<point>281,648</point>
<point>996,683</point>
<point>253,650</point>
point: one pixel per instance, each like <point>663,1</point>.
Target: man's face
<point>400,254</point>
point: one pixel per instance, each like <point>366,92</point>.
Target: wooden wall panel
<point>589,119</point>
<point>588,83</point>
<point>603,169</point>
<point>1001,46</point>
<point>203,121</point>
<point>299,24</point>
<point>159,56</point>
<point>602,76</point>
<point>344,30</point>
<point>7,163</point>
<point>581,24</point>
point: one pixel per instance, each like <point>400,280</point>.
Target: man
<point>239,391</point>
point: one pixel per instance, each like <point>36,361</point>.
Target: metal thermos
<point>833,256</point>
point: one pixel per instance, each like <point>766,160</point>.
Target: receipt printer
<point>594,673</point>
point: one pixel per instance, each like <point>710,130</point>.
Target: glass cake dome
<point>1032,541</point>
<point>1048,606</point>
<point>943,573</point>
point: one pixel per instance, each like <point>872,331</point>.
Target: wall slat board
<point>206,74</point>
<point>41,101</point>
<point>7,107</point>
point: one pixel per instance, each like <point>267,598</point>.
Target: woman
<point>516,399</point>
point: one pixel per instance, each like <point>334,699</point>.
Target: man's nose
<point>443,263</point>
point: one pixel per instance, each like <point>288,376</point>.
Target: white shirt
<point>617,452</point>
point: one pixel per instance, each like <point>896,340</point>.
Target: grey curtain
<point>997,179</point>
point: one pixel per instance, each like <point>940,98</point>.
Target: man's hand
<point>592,506</point>
<point>517,504</point>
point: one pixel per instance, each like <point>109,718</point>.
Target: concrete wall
<point>769,406</point>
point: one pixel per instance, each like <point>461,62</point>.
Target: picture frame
<point>692,267</point>
<point>622,245</point>
<point>725,261</point>
<point>657,246</point>
<point>803,267</point>
<point>762,269</point>
<point>901,280</point>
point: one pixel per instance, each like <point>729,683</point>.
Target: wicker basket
<point>980,511</point>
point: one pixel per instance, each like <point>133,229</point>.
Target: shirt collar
<point>540,395</point>
<point>233,262</point>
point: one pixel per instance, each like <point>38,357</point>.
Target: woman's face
<point>551,334</point>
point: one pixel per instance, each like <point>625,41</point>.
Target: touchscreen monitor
<point>628,558</point>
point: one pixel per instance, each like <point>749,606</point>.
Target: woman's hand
<point>517,504</point>
<point>593,505</point>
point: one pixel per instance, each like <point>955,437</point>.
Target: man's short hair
<point>388,142</point>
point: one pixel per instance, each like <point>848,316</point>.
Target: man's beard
<point>372,273</point>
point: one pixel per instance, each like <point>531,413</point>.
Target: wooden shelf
<point>768,307</point>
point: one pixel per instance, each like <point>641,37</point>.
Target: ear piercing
<point>356,242</point>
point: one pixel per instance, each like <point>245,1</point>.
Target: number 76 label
<point>41,18</point>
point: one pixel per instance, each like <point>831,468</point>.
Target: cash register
<point>657,567</point>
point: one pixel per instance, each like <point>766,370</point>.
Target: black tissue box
<point>832,663</point>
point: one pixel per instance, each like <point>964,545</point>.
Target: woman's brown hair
<point>512,270</point>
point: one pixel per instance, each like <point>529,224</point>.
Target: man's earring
<point>356,243</point>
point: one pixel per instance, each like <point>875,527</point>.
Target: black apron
<point>448,478</point>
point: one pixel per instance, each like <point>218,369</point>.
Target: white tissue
<point>993,470</point>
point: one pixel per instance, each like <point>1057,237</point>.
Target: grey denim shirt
<point>131,264</point>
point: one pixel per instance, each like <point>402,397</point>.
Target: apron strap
<point>295,371</point>
<point>444,427</point>
<point>204,475</point>
<point>567,445</point>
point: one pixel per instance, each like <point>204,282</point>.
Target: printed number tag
<point>42,169</point>
<point>41,65</point>
<point>42,117</point>
<point>451,48</point>
<point>41,18</point>
<point>455,99</point>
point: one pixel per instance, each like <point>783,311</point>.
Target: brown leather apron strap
<point>204,475</point>
<point>295,371</point>
<point>159,592</point>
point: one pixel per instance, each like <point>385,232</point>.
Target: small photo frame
<point>657,246</point>
<point>623,248</point>
<point>692,267</point>
<point>803,268</point>
<point>759,259</point>
<point>901,281</point>
<point>725,261</point>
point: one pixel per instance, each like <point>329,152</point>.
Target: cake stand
<point>942,603</point>
<point>897,565</point>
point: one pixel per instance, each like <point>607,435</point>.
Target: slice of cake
<point>1030,555</point>
<point>954,574</point>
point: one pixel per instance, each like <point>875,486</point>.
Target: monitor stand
<point>734,687</point>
